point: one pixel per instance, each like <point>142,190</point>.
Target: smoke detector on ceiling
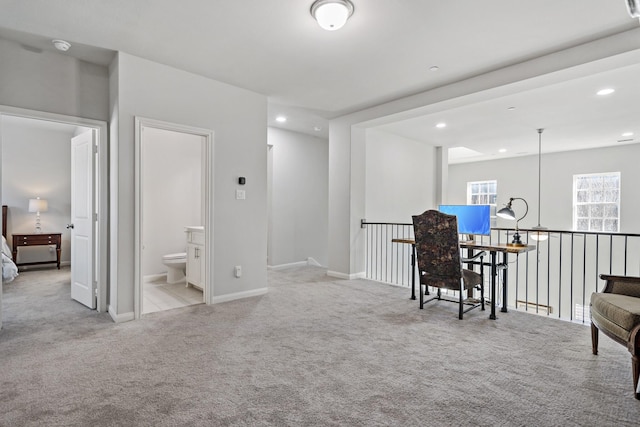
<point>61,45</point>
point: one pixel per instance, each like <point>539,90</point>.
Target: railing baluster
<point>625,254</point>
<point>560,280</point>
<point>584,272</point>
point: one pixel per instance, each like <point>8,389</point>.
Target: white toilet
<point>176,265</point>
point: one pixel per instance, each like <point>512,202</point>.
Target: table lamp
<point>508,213</point>
<point>38,205</point>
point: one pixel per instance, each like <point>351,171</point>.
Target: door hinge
<point>95,149</point>
<point>95,217</point>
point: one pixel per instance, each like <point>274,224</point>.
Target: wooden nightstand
<point>42,239</point>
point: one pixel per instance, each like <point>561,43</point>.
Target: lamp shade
<point>506,213</point>
<point>331,14</point>
<point>38,205</point>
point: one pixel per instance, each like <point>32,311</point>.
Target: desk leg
<point>492,316</point>
<point>504,282</point>
<point>413,272</point>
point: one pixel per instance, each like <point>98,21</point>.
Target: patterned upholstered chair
<point>616,312</point>
<point>440,262</point>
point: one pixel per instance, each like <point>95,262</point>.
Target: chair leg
<point>482,295</point>
<point>460,304</point>
<point>421,296</point>
<point>594,339</point>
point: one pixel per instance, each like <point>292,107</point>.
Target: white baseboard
<point>119,318</point>
<point>309,261</point>
<point>152,277</point>
<point>239,295</point>
<point>361,275</point>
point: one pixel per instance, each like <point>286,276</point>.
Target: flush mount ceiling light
<point>331,14</point>
<point>633,6</point>
<point>441,125</point>
<point>61,45</point>
<point>281,119</point>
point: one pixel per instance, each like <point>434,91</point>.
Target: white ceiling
<point>383,53</point>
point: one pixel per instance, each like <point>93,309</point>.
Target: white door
<point>82,225</point>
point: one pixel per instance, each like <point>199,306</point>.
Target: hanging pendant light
<point>332,14</point>
<point>539,232</point>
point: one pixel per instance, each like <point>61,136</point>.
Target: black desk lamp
<point>508,213</point>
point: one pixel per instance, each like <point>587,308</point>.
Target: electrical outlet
<point>241,195</point>
<point>238,270</point>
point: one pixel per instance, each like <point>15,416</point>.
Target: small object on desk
<point>38,239</point>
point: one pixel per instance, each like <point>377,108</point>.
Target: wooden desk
<point>41,239</point>
<point>493,250</point>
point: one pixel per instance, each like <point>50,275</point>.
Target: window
<point>483,193</point>
<point>596,202</point>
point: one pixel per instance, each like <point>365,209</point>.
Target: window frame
<point>590,202</point>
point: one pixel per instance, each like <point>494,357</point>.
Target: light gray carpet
<point>313,351</point>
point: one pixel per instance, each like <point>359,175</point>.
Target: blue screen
<point>472,219</point>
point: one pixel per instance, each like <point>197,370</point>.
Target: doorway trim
<point>207,173</point>
<point>101,255</point>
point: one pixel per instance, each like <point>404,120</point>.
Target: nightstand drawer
<point>41,239</point>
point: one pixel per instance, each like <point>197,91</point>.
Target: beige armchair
<point>616,312</point>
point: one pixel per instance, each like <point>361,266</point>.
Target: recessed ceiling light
<point>502,150</point>
<point>441,125</point>
<point>434,68</point>
<point>511,108</point>
<point>317,128</point>
<point>607,91</point>
<point>627,134</point>
<point>61,45</point>
<point>281,119</point>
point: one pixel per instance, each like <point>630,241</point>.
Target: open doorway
<point>36,157</point>
<point>171,215</point>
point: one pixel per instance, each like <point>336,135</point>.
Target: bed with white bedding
<point>9,268</point>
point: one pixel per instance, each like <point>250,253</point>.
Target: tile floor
<point>158,295</point>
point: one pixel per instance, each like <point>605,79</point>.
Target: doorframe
<point>101,255</point>
<point>207,202</point>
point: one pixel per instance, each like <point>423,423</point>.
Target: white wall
<point>238,119</point>
<point>171,188</point>
<point>36,162</point>
<point>400,177</point>
<point>52,82</point>
<point>518,177</point>
<point>299,198</point>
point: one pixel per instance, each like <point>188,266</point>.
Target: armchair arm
<point>624,285</point>
<point>474,257</point>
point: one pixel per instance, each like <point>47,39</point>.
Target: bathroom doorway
<point>171,216</point>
